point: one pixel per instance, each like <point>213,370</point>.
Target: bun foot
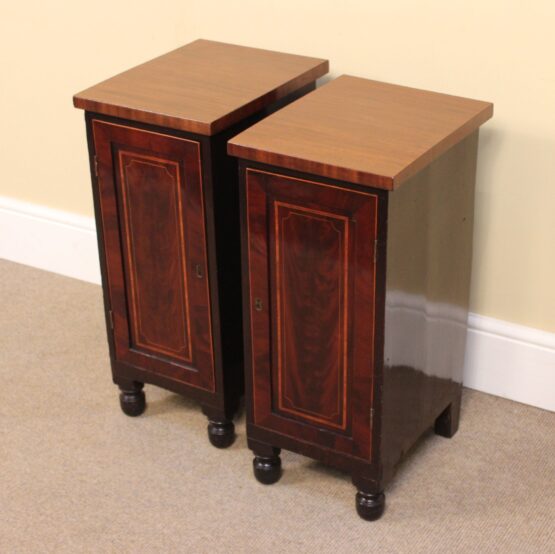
<point>370,506</point>
<point>221,434</point>
<point>267,470</point>
<point>132,402</point>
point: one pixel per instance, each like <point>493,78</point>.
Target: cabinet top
<point>203,87</point>
<point>361,131</point>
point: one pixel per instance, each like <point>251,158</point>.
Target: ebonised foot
<point>132,400</point>
<point>370,506</point>
<point>447,423</point>
<point>221,433</point>
<point>267,469</point>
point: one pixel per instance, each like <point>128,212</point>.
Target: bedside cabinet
<point>166,204</point>
<point>357,215</point>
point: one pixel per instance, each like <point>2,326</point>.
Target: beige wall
<point>497,50</point>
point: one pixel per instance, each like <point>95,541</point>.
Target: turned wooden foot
<point>267,470</point>
<point>221,433</point>
<point>132,399</point>
<point>267,463</point>
<point>447,423</point>
<point>370,506</point>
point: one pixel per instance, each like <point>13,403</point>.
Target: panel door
<point>312,283</point>
<point>155,244</point>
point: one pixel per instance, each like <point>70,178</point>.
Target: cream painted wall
<point>496,50</point>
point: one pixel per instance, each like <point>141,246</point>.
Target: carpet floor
<point>76,475</point>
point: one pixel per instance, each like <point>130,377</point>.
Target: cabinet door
<point>153,224</point>
<point>311,279</point>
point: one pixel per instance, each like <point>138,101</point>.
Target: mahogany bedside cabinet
<point>357,207</point>
<point>166,204</point>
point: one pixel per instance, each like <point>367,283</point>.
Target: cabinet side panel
<point>429,255</point>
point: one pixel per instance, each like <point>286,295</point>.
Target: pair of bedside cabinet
<point>311,247</point>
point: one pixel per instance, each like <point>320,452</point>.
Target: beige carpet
<point>76,475</point>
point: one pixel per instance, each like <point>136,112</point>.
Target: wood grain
<point>361,131</point>
<point>311,252</point>
<point>203,87</point>
<point>314,275</point>
<point>152,207</point>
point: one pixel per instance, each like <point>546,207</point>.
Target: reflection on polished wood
<point>427,293</point>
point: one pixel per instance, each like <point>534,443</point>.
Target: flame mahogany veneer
<point>166,204</point>
<point>357,206</point>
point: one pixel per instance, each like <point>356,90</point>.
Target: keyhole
<point>198,271</point>
<point>258,304</point>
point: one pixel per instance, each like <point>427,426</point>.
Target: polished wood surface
<point>361,131</point>
<point>203,87</point>
<point>429,260</point>
<point>311,277</point>
<point>153,219</point>
<point>311,262</point>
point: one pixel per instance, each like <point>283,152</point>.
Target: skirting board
<point>511,361</point>
<point>502,358</point>
<point>49,239</point>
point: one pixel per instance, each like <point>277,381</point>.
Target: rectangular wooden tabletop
<point>203,87</point>
<point>361,131</point>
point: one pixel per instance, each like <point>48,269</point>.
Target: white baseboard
<point>502,358</point>
<point>512,361</point>
<point>49,239</point>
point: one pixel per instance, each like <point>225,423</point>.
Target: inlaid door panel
<point>153,222</point>
<point>311,277</point>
